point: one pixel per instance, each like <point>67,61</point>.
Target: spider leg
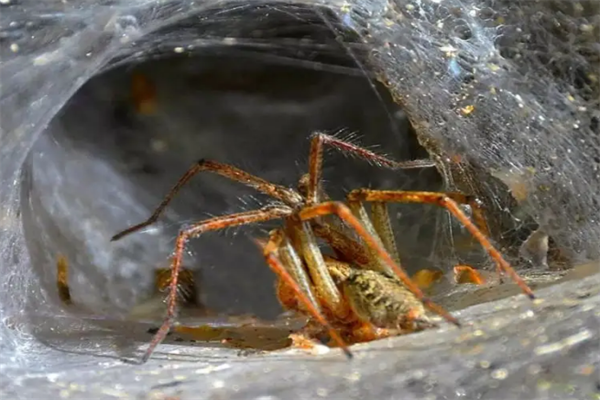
<point>305,243</point>
<point>290,258</point>
<point>270,251</point>
<point>346,248</point>
<point>380,230</point>
<point>346,215</point>
<point>376,262</point>
<point>380,226</point>
<point>351,250</point>
<point>383,227</point>
<point>315,162</point>
<point>449,202</point>
<point>212,224</point>
<point>278,192</point>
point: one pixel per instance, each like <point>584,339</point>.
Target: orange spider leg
<point>346,248</point>
<point>380,226</point>
<point>443,200</point>
<point>212,224</point>
<point>235,174</point>
<point>289,257</point>
<point>346,215</point>
<point>477,212</point>
<point>270,254</point>
<point>476,209</point>
<point>315,162</point>
<point>304,243</point>
<point>381,220</point>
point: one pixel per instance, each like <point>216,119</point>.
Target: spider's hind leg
<point>450,201</point>
<point>301,289</point>
<point>267,213</point>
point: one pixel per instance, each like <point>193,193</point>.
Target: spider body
<point>375,304</point>
<point>364,286</point>
<point>380,299</point>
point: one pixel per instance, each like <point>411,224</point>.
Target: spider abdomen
<point>381,299</point>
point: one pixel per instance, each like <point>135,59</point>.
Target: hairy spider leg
<point>308,243</point>
<point>346,248</point>
<point>447,201</point>
<point>345,214</point>
<point>305,244</point>
<point>290,258</point>
<point>270,252</point>
<point>310,250</point>
<point>244,218</point>
<point>278,192</point>
<point>377,244</point>
<point>380,226</point>
<point>315,161</point>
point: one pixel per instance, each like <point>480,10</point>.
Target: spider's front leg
<point>230,172</point>
<point>315,162</point>
<point>379,229</point>
<point>244,218</point>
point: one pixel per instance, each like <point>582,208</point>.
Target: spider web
<point>505,94</point>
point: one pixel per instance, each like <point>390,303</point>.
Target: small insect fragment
<point>186,289</point>
<point>425,278</point>
<point>62,279</point>
<point>535,249</point>
<point>517,180</point>
<point>302,341</point>
<point>467,110</point>
<point>466,274</point>
<point>143,94</point>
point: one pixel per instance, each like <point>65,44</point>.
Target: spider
<point>304,213</point>
<point>378,303</point>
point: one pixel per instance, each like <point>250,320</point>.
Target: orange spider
<point>306,275</point>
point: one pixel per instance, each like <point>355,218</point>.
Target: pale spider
<point>293,249</point>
